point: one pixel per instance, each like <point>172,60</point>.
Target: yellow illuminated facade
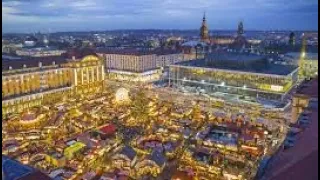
<point>299,103</point>
<point>29,87</point>
<point>87,75</point>
<point>242,83</point>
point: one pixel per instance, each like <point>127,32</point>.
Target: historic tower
<point>292,39</point>
<point>240,31</point>
<point>204,31</point>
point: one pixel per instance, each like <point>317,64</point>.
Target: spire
<point>240,28</point>
<point>204,31</point>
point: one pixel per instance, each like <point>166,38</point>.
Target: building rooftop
<point>273,69</point>
<point>157,157</point>
<point>37,49</point>
<point>136,52</point>
<point>230,56</point>
<point>78,53</point>
<point>129,152</point>
<point>56,154</point>
<point>14,170</point>
<point>16,62</point>
<point>108,129</point>
<point>181,175</point>
<point>194,43</point>
<point>35,175</point>
<point>308,56</point>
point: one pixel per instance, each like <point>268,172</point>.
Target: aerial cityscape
<point>159,90</point>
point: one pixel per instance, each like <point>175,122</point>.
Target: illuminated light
<point>244,86</point>
<point>276,88</point>
<point>303,54</point>
<point>223,84</point>
<point>122,95</point>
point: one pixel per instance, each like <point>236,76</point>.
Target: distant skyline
<point>26,16</point>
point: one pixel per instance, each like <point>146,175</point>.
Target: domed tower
<point>204,31</point>
<point>292,39</point>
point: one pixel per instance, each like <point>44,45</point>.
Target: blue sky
<point>83,15</point>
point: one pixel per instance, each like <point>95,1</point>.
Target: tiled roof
<point>181,175</point>
<point>109,129</point>
<point>78,53</point>
<point>31,62</point>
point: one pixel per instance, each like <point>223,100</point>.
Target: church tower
<point>240,31</point>
<point>292,39</point>
<point>204,31</point>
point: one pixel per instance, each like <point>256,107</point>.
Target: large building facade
<point>222,77</point>
<point>48,79</point>
<point>130,65</point>
<point>137,65</point>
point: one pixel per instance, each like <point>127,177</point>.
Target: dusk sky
<point>84,15</point>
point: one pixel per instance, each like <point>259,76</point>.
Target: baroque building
<point>48,79</point>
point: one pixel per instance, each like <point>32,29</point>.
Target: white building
<point>137,65</point>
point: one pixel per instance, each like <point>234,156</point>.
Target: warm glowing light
<point>276,88</point>
<point>303,54</point>
<point>122,95</point>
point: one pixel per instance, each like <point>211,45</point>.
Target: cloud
<point>153,13</point>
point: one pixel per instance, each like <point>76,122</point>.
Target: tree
<point>140,110</point>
